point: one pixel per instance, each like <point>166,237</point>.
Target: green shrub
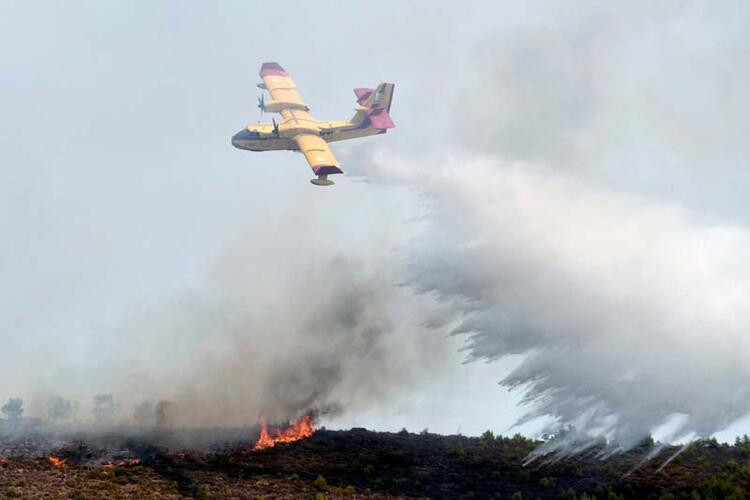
<point>201,492</point>
<point>611,495</point>
<point>516,496</point>
<point>320,483</point>
<point>11,492</point>
<point>568,494</point>
<point>546,482</point>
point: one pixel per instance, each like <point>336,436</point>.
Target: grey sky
<point>120,193</point>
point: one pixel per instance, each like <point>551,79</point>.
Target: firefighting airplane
<point>298,131</point>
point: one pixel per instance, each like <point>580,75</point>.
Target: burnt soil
<point>364,464</point>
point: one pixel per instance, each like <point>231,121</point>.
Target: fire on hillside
<point>301,429</point>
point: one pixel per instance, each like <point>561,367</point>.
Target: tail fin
<point>374,105</point>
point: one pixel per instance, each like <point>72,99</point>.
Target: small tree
<point>320,483</point>
<point>568,494</point>
<point>13,409</point>
<point>164,411</point>
<point>104,407</point>
<point>59,409</point>
<point>145,414</point>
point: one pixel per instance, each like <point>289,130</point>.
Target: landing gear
<point>322,180</point>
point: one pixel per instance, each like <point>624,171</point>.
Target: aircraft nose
<point>239,137</point>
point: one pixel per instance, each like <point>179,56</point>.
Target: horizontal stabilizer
<point>362,94</point>
<point>380,119</point>
<point>373,106</point>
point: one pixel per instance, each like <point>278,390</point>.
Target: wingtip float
<point>297,130</point>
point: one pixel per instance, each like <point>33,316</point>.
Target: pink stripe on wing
<point>272,68</point>
<point>326,169</point>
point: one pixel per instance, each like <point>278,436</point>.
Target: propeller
<point>275,126</point>
<point>261,104</point>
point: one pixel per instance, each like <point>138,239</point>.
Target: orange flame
<point>57,462</point>
<point>303,428</point>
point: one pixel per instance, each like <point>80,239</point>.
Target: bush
<point>611,495</point>
<point>568,494</point>
<point>201,492</point>
<point>523,475</point>
<point>516,496</point>
<point>320,483</point>
<point>720,486</point>
<point>546,482</point>
<point>11,492</point>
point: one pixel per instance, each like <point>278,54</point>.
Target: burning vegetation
<point>301,429</point>
<point>43,459</point>
<point>364,464</point>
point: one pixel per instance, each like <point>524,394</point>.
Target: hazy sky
<point>120,189</point>
<point>122,195</point>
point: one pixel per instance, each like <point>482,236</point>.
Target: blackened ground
<point>363,464</point>
<point>430,465</point>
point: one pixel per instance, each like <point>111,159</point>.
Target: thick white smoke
<point>631,312</point>
<point>280,326</point>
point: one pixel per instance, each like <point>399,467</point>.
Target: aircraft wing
<point>281,86</point>
<point>318,154</point>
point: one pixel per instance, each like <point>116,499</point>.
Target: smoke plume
<point>269,334</point>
